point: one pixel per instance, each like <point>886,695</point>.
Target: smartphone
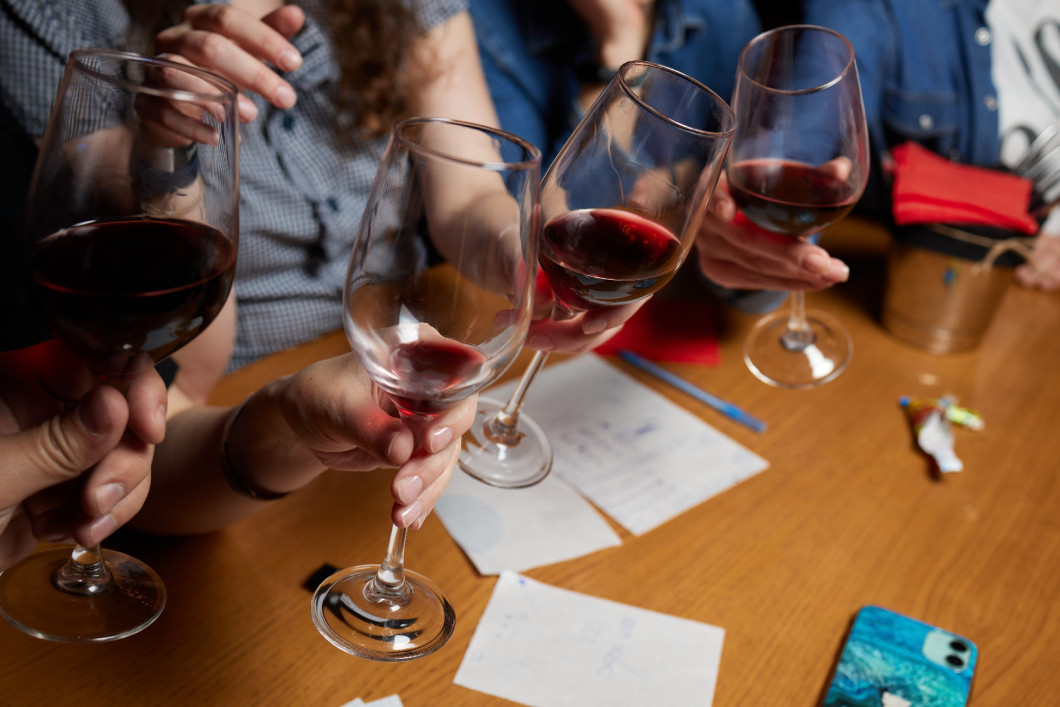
<point>890,660</point>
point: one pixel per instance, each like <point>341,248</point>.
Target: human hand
<point>1042,269</point>
<point>735,253</point>
<point>76,454</point>
<point>346,423</point>
<point>578,334</point>
<point>234,43</point>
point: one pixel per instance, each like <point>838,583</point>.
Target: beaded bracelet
<point>234,480</point>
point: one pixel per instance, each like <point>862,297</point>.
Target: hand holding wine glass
<point>621,205</point>
<point>799,163</point>
<point>438,299</point>
<point>130,249</point>
<point>47,443</point>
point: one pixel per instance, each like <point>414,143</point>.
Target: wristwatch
<point>160,170</point>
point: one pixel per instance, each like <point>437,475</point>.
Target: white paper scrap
<point>637,455</point>
<point>391,701</point>
<point>517,529</point>
<point>544,646</point>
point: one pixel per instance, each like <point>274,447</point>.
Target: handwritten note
<point>517,529</point>
<point>638,456</point>
<point>545,646</point>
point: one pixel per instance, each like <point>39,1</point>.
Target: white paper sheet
<point>545,646</point>
<point>391,701</point>
<point>638,456</point>
<point>517,529</point>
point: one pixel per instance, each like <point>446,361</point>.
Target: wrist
<point>231,464</point>
<point>160,170</point>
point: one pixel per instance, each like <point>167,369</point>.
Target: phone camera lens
<point>955,661</point>
<point>959,646</point>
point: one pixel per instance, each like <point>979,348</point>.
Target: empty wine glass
<point>130,246</point>
<point>621,205</point>
<point>438,300</point>
<point>799,162</point>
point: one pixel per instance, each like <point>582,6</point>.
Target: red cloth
<point>668,330</point>
<point>929,188</point>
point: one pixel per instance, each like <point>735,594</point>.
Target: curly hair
<point>372,40</point>
<point>374,59</point>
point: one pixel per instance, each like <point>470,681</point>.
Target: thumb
<point>62,447</point>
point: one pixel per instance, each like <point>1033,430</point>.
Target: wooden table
<point>848,513</point>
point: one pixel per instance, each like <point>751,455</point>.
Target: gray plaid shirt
<point>302,190</point>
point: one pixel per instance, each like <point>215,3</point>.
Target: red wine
<point>430,368</point>
<point>605,257</point>
<point>789,197</point>
<point>128,293</point>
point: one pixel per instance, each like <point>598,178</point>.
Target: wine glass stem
<point>84,573</point>
<point>797,335</point>
<point>507,419</point>
<point>390,578</point>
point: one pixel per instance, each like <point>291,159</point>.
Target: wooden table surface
<point>848,513</point>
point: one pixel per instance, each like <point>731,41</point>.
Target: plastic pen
<point>722,406</point>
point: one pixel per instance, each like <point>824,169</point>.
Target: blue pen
<point>726,408</point>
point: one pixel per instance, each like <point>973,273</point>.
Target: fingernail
<point>409,489</point>
<point>290,60</point>
<point>102,527</point>
<point>840,271</point>
<point>391,448</point>
<point>540,342</point>
<point>439,439</point>
<point>410,514</point>
<point>817,263</point>
<point>247,110</point>
<point>594,325</point>
<point>108,496</point>
<point>726,209</point>
<point>283,97</point>
<point>93,415</point>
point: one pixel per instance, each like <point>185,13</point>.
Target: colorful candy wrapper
<point>932,420</point>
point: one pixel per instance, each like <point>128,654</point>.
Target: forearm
<point>189,492</point>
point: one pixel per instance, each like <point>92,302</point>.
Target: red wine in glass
<point>429,369</point>
<point>114,290</point>
<point>129,245</point>
<point>790,198</point>
<point>606,257</point>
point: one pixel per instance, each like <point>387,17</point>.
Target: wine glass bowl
<point>799,162</point>
<point>438,299</point>
<point>621,205</point>
<point>130,243</point>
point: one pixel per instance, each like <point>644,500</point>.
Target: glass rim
<point>534,153</point>
<point>226,89</point>
<point>769,34</point>
<point>629,90</point>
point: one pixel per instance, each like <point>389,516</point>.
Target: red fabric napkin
<point>929,188</point>
<point>669,330</point>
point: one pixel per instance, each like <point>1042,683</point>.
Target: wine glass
<point>621,205</point>
<point>130,249</point>
<point>438,299</point>
<point>799,162</point>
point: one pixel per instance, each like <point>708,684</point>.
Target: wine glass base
<point>31,602</point>
<point>806,366</point>
<point>352,618</point>
<point>521,460</point>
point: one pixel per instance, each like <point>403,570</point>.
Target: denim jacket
<point>925,75</point>
<point>531,51</point>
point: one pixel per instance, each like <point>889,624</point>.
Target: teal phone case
<point>891,660</point>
